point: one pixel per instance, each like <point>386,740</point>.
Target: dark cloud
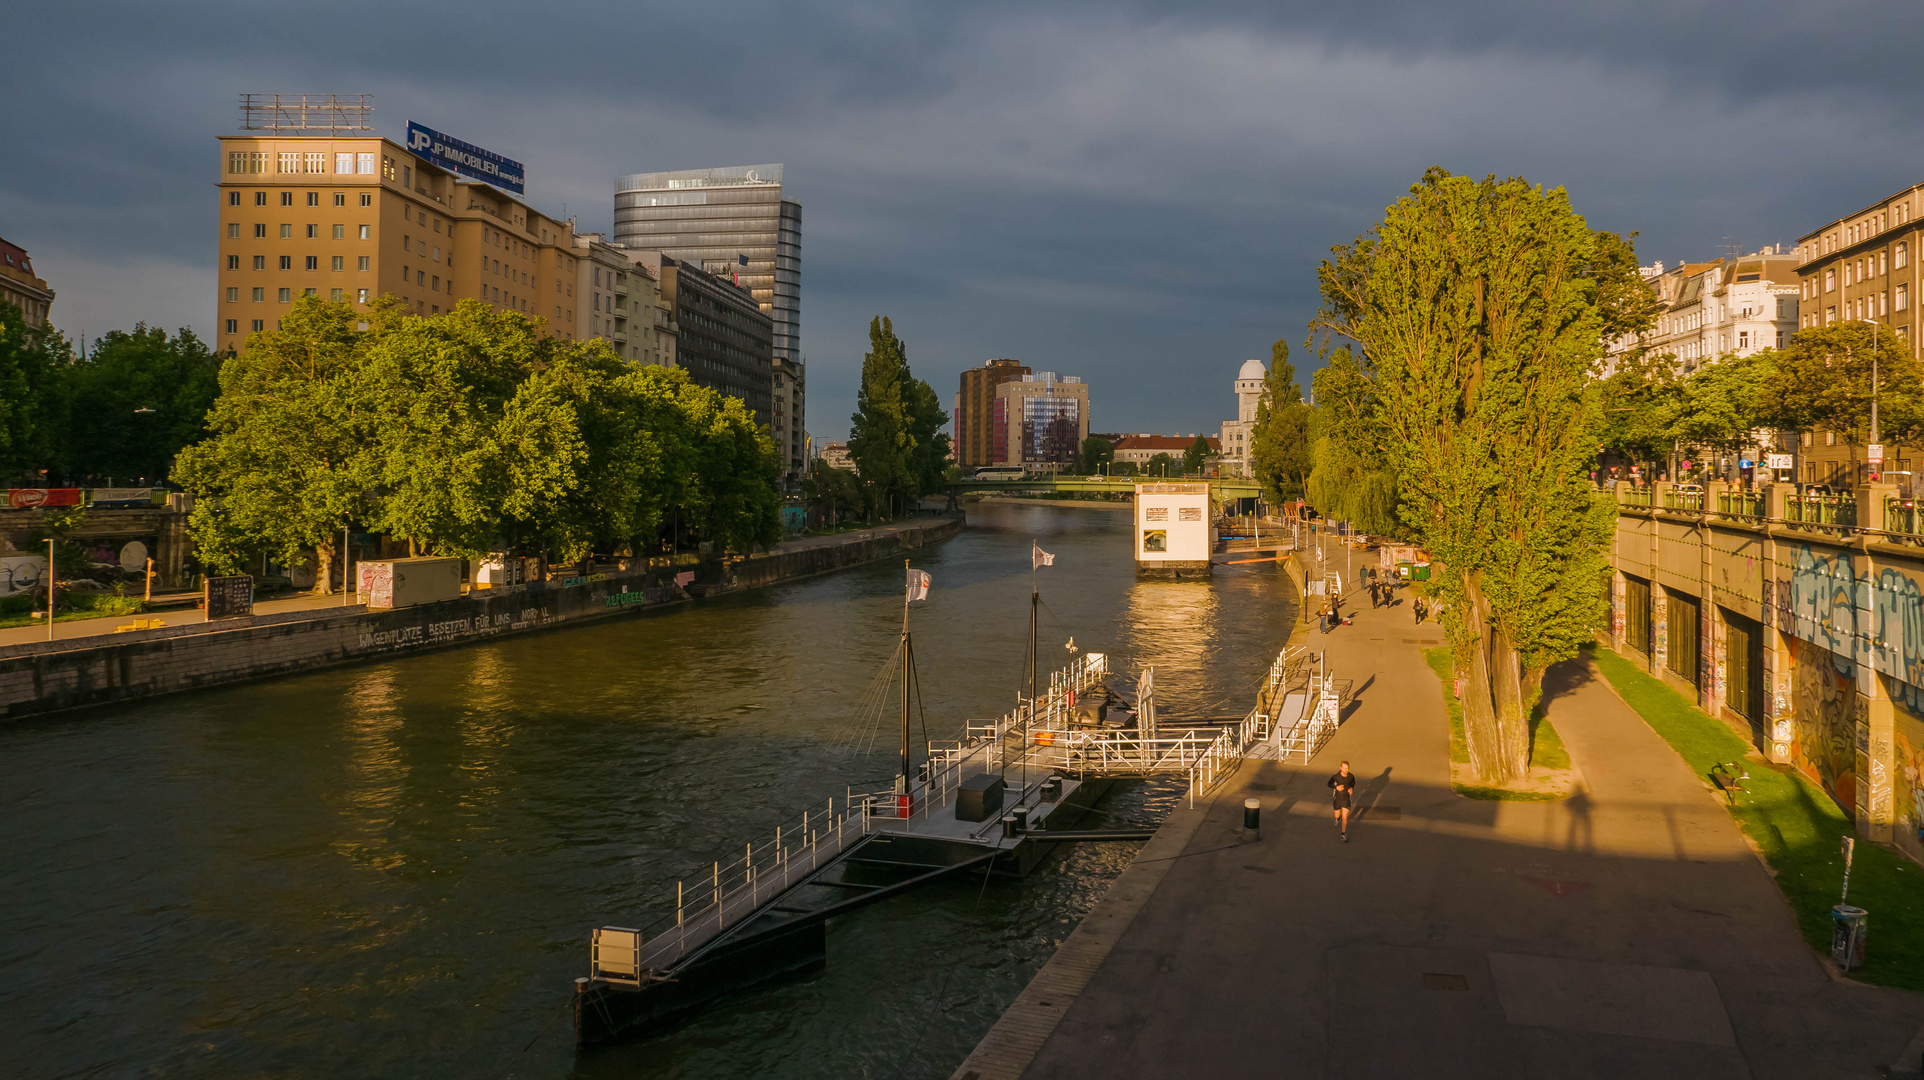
<point>1135,193</point>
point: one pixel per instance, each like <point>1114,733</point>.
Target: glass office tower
<point>731,222</point>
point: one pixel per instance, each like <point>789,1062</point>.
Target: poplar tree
<point>895,435</point>
<point>1480,309</point>
<point>1279,452</point>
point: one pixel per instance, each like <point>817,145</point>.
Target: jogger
<point>1342,786</point>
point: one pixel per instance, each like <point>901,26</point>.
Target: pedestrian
<point>1416,605</point>
<point>1342,786</point>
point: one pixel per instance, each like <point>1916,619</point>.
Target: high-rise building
<point>974,405</point>
<point>1039,420</point>
<point>358,217</point>
<point>731,222</point>
<point>723,338</point>
<point>19,286</point>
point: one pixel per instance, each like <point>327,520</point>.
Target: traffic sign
<point>1875,453</point>
<point>1777,461</point>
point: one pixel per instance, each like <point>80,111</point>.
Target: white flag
<point>918,585</point>
<point>1039,558</point>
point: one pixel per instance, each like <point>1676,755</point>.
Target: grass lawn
<point>1546,748</point>
<point>1800,831</point>
<point>67,609</point>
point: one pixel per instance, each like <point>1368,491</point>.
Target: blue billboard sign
<point>466,159</point>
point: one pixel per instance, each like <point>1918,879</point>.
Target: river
<point>390,870</point>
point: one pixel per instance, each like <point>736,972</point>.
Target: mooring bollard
<point>1253,815</point>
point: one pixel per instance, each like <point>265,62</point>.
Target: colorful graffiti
<point>1909,789</point>
<point>1824,720</point>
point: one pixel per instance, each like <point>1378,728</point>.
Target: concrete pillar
<point>1870,505</point>
<point>1876,744</point>
<point>171,550</point>
<point>1774,498</point>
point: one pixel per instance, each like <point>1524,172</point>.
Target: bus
<point>1001,472</point>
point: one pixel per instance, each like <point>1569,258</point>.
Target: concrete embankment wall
<point>50,676</point>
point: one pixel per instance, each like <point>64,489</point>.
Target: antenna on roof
<point>301,114</point>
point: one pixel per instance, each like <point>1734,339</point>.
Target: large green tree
<point>1479,308</point>
<point>1350,478</point>
<point>1198,456</point>
<point>1821,380</point>
<point>1280,456</point>
<point>33,387</point>
<point>1097,452</point>
<point>135,400</point>
<point>895,435</point>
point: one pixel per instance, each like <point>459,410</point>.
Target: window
<point>1830,314</point>
<point>1830,280</point>
<point>259,325</point>
<point>366,231</point>
<point>260,262</point>
<point>246,161</point>
<point>338,263</point>
<point>360,295</point>
<point>233,262</point>
<point>343,163</point>
<point>287,198</point>
<point>260,295</point>
<point>233,198</point>
<point>340,232</point>
<point>233,295</point>
<point>366,199</point>
<point>284,297</point>
<point>420,277</point>
<point>260,232</point>
<point>287,232</point>
<point>340,198</point>
<point>288,163</point>
<point>1743,339</point>
<point>314,162</point>
<point>287,262</point>
<point>313,232</point>
<point>233,326</point>
<point>308,292</point>
<point>1903,298</point>
<point>361,263</point>
<point>387,167</point>
<point>313,198</point>
<point>436,283</point>
<point>1902,256</point>
<point>437,224</point>
<point>260,198</point>
<point>437,254</point>
<point>407,175</point>
<point>233,230</point>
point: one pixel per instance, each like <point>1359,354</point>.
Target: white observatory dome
<point>1252,369</point>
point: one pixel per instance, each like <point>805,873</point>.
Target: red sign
<point>28,498</point>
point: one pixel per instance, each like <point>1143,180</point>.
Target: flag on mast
<point>918,585</point>
<point>1039,558</point>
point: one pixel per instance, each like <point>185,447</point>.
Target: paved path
<point>1627,932</point>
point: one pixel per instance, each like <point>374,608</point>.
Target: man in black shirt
<point>1342,786</point>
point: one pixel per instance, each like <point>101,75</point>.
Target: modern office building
<point>1039,420</point>
<point>1239,435</point>
<point>21,288</point>
<point>731,222</point>
<point>974,409</point>
<point>723,338</point>
<point>358,217</point>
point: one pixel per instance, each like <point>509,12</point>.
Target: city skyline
<point>969,163</point>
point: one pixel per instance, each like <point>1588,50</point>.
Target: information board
<point>230,597</point>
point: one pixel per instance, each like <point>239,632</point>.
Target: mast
<point>908,665</point>
<point>1035,598</point>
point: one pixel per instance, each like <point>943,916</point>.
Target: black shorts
<point>1341,801</point>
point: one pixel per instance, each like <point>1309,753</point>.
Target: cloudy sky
<point>1135,193</point>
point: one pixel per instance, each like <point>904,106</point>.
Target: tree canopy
<point>1096,453</point>
<point>32,420</point>
<point>1197,457</point>
<point>1280,456</point>
<point>135,400</point>
<point>1480,309</point>
<point>464,433</point>
<point>895,435</point>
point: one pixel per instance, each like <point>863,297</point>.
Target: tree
<point>928,443</point>
<point>33,366</point>
<point>1349,478</point>
<point>1279,452</point>
<point>1639,402</point>
<point>1721,406</point>
<point>1821,381</point>
<point>136,400</point>
<point>1197,457</point>
<point>1479,307</point>
<point>1097,452</point>
<point>1161,465</point>
<point>880,440</point>
<point>832,490</point>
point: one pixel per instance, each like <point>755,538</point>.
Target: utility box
<point>394,583</point>
<point>1174,533</point>
<point>979,798</point>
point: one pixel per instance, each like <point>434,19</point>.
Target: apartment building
<point>723,338</point>
<point>1864,266</point>
<point>356,218</point>
<point>1724,307</point>
<point>20,287</point>
<point>974,406</point>
<point>1039,420</point>
<point>620,301</point>
<point>789,406</point>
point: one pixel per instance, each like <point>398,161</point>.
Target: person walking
<point>1342,787</point>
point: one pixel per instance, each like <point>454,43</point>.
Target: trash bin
<point>1849,926</point>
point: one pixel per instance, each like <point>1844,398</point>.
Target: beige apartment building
<point>20,287</point>
<point>974,415</point>
<point>356,218</point>
<point>620,302</point>
<point>1864,266</point>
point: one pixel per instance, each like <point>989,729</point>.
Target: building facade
<point>620,301</point>
<point>790,400</point>
<point>1136,450</point>
<point>836,456</point>
<point>357,218</point>
<point>1725,307</point>
<point>723,338</point>
<point>20,287</point>
<point>1039,420</point>
<point>1864,266</point>
<point>973,419</point>
<point>1239,435</point>
<point>732,222</point>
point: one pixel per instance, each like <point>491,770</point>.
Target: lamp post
<point>1876,435</point>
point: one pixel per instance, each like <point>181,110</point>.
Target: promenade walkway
<point>1626,932</point>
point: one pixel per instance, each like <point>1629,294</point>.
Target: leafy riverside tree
<point>1097,452</point>
<point>1280,452</point>
<point>1350,479</point>
<point>895,435</point>
<point>1821,381</point>
<point>1196,458</point>
<point>33,365</point>
<point>135,401</point>
<point>1478,309</point>
<point>462,433</point>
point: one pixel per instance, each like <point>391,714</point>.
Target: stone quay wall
<point>1797,620</point>
<point>51,676</point>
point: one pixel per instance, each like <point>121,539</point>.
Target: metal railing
<point>1674,499</point>
<point>1901,516</point>
<point>1741,504</point>
<point>1836,511</point>
<point>1627,495</point>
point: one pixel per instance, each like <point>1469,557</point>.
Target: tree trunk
<point>324,568</point>
<point>1495,728</point>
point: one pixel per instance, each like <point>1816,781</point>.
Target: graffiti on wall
<point>1908,789</point>
<point>1824,720</point>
